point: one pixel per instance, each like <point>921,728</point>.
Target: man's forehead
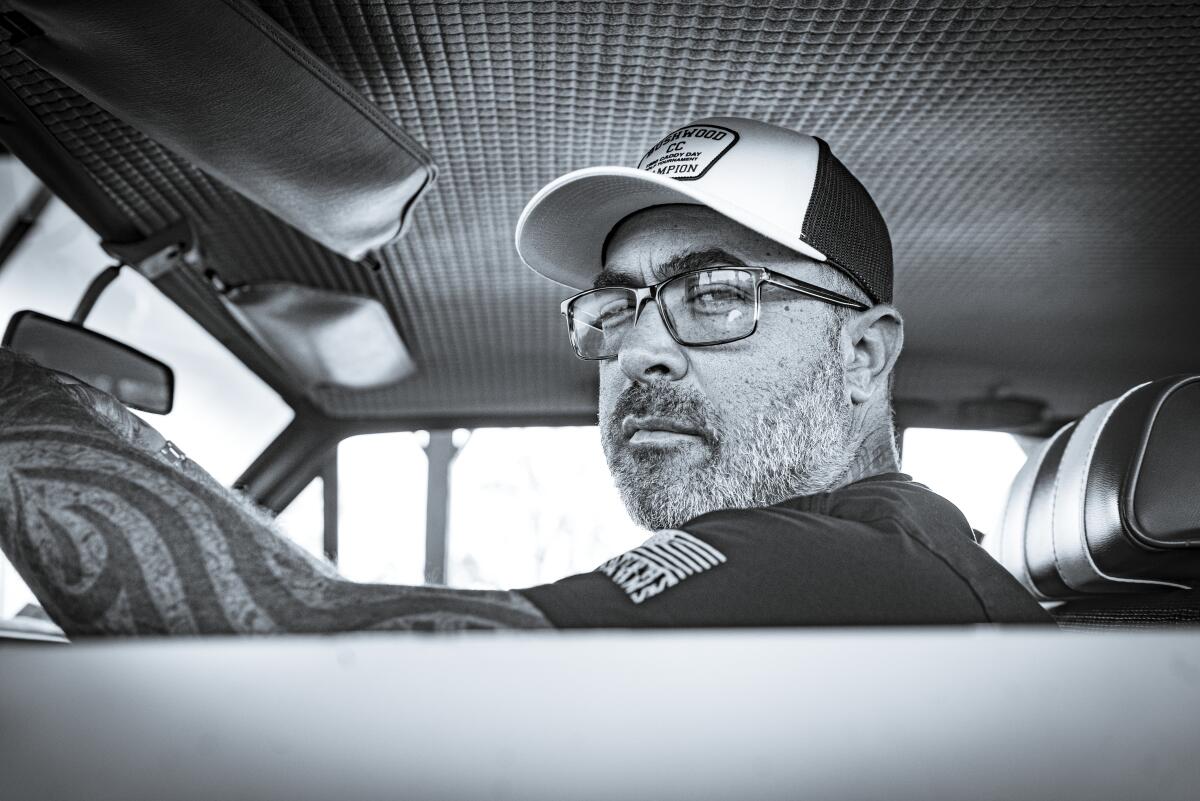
<point>655,244</point>
<point>657,270</point>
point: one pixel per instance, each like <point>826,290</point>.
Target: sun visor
<point>223,86</point>
<point>324,338</point>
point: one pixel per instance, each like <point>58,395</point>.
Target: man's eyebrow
<point>681,263</point>
<point>686,262</point>
<point>613,278</point>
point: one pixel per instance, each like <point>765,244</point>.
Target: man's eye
<point>613,314</point>
<point>712,295</point>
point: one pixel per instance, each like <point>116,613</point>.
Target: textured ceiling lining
<point>1037,163</point>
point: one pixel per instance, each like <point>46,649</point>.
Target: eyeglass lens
<point>705,307</point>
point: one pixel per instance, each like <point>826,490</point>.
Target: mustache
<point>676,403</point>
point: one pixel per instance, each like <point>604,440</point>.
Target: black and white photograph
<point>539,401</point>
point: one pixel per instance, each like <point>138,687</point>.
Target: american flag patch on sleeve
<point>660,563</point>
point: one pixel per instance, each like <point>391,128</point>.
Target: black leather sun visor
<point>222,85</point>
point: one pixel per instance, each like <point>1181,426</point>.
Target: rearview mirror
<point>132,377</point>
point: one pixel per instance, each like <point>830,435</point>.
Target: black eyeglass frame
<point>763,275</point>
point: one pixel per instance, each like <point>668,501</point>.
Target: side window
<point>304,518</point>
<point>972,469</point>
<point>375,532</point>
<point>532,505</point>
<point>13,592</point>
<point>524,506</point>
<point>381,508</point>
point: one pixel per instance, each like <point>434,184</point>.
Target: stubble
<point>795,442</point>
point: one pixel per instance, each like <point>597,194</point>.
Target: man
<point>740,312</point>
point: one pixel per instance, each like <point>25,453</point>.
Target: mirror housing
<point>132,377</point>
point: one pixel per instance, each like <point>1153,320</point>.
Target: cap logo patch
<point>686,154</point>
<point>661,562</point>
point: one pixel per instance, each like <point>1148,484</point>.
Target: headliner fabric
<point>1036,164</point>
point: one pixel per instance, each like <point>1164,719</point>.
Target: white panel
<point>900,714</point>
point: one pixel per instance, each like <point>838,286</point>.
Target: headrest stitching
<point>1027,478</point>
<point>1054,507</point>
<point>1144,442</point>
<point>1087,467</point>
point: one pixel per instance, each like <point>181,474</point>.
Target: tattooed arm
<point>113,538</point>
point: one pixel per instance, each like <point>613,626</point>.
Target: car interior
<point>329,188</point>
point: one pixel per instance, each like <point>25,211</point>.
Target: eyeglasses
<point>710,306</point>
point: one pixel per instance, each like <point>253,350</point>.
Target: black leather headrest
<point>1111,504</point>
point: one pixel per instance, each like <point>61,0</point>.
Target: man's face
<point>688,430</point>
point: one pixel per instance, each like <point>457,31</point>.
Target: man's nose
<point>648,351</point>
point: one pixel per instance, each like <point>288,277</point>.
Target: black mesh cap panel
<point>844,223</point>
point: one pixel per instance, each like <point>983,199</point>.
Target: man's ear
<point>871,342</point>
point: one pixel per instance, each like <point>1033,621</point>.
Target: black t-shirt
<point>884,550</point>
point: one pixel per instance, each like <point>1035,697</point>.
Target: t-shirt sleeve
<point>765,567</point>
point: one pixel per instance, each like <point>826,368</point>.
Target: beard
<point>797,442</point>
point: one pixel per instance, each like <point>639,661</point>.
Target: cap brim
<point>562,229</point>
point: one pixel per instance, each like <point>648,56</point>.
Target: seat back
<point>1104,518</point>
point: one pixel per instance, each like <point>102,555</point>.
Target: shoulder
<point>891,502</point>
<point>890,521</point>
<point>878,496</point>
<point>886,539</point>
<point>861,555</point>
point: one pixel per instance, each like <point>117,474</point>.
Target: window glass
<point>972,469</point>
<point>224,415</point>
<point>381,508</point>
<point>13,592</point>
<point>532,505</point>
<point>304,518</point>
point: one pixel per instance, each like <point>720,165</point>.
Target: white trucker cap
<point>787,186</point>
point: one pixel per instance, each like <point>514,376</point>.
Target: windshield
<point>224,415</point>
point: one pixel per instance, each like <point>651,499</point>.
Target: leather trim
<point>1072,544</point>
<point>1039,525</point>
<point>1110,547</point>
<point>322,336</point>
<point>1128,502</point>
<point>1069,508</point>
<point>1009,548</point>
<point>223,86</point>
<point>1071,557</point>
